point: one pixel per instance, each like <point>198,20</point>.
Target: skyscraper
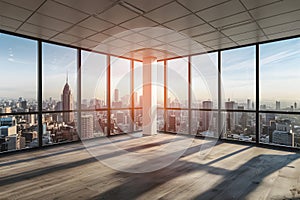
<point>87,126</point>
<point>206,115</point>
<point>116,95</point>
<point>67,103</point>
<point>277,105</point>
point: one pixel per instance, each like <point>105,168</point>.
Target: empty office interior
<point>162,99</point>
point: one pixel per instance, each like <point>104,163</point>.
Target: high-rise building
<point>172,123</point>
<point>120,116</point>
<point>206,115</point>
<point>295,105</point>
<point>230,117</point>
<point>87,126</point>
<point>116,95</point>
<point>277,105</point>
<point>67,103</point>
<point>248,104</point>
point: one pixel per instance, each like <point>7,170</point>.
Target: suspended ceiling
<point>118,27</point>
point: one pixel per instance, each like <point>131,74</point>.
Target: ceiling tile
<point>225,45</point>
<point>223,10</point>
<point>184,22</point>
<point>48,22</point>
<point>184,43</point>
<point>67,38</point>
<point>282,28</point>
<point>38,30</point>
<point>99,37</point>
<point>118,43</point>
<point>240,29</point>
<point>209,36</point>
<point>36,35</point>
<point>135,37</point>
<point>14,12</point>
<point>115,30</point>
<point>150,43</point>
<point>62,12</point>
<point>167,13</point>
<point>275,9</point>
<point>154,32</point>
<point>252,40</point>
<point>232,20</point>
<point>279,19</point>
<point>86,43</point>
<point>30,5</point>
<point>148,5</point>
<point>95,24</point>
<point>284,34</point>
<point>250,4</point>
<point>171,37</point>
<point>4,21</point>
<point>196,5</point>
<point>138,22</point>
<point>7,28</point>
<point>80,31</point>
<point>198,30</point>
<point>247,35</point>
<point>117,14</point>
<point>217,42</point>
<point>90,7</point>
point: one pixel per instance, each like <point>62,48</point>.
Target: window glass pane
<point>160,120</point>
<point>93,80</point>
<point>280,129</point>
<point>160,84</point>
<point>138,120</point>
<point>93,124</point>
<point>138,84</point>
<point>239,126</point>
<point>177,83</point>
<point>120,82</point>
<point>59,78</point>
<point>121,122</point>
<point>204,123</point>
<point>204,73</point>
<point>18,83</point>
<point>55,130</point>
<point>177,121</point>
<point>18,132</point>
<point>279,75</point>
<point>238,78</point>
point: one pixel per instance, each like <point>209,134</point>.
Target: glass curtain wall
<point>252,90</point>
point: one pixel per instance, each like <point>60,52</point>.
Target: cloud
<point>278,57</point>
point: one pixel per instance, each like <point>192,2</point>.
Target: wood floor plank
<point>225,171</point>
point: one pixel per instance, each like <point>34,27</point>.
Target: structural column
<point>149,95</point>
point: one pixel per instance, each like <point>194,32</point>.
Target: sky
<point>279,71</point>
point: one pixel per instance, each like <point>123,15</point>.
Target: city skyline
<point>20,55</point>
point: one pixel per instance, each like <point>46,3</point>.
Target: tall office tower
<point>67,103</point>
<point>172,123</point>
<point>277,105</point>
<point>87,126</point>
<point>248,104</point>
<point>230,117</point>
<point>295,105</point>
<point>206,115</point>
<point>116,95</point>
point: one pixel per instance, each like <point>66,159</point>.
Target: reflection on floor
<point>168,166</point>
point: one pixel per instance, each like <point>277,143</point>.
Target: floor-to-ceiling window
<point>18,93</point>
<point>204,95</point>
<point>238,81</point>
<point>279,93</point>
<point>59,67</point>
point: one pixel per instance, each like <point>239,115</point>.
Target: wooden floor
<point>225,171</point>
